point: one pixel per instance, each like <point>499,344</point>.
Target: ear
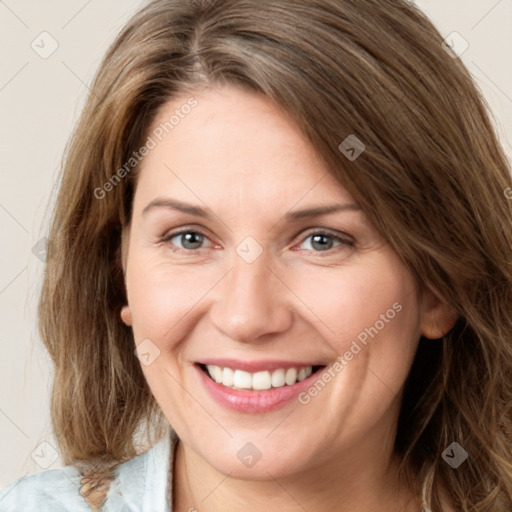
<point>437,317</point>
<point>126,315</point>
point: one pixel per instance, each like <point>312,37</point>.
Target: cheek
<point>344,299</point>
<point>370,318</point>
<point>162,295</point>
<point>375,307</point>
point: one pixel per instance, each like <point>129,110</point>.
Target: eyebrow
<point>173,204</point>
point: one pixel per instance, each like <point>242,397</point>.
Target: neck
<point>356,486</point>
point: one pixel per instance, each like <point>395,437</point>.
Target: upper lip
<point>257,366</point>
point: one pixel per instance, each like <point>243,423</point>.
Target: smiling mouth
<point>258,381</point>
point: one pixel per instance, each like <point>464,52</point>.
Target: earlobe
<point>126,315</point>
<point>437,319</point>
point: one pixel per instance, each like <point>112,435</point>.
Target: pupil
<point>192,238</point>
<point>322,239</point>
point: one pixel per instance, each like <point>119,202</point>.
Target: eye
<point>189,239</point>
<point>322,241</point>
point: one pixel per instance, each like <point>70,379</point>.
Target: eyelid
<point>339,235</point>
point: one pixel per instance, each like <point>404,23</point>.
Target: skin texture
<point>237,155</point>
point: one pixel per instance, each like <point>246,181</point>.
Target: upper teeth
<point>238,379</point>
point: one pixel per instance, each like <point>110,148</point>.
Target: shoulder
<point>55,490</point>
<point>140,481</point>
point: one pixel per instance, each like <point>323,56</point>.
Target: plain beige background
<point>40,99</point>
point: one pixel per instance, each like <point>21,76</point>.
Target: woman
<point>282,229</point>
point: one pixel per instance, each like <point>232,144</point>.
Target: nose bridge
<point>252,300</point>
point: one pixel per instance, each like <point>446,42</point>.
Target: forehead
<point>233,144</point>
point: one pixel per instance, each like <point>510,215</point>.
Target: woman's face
<point>246,277</point>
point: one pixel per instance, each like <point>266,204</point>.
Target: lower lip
<point>254,401</point>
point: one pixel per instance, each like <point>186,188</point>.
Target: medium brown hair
<point>431,179</point>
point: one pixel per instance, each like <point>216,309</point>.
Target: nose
<point>252,302</point>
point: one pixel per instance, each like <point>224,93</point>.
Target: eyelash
<point>338,238</point>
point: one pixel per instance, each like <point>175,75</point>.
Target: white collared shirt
<point>141,484</point>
